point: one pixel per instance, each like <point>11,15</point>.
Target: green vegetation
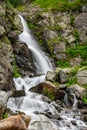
<point>14,3</point>
<point>5,115</point>
<point>78,50</point>
<point>84,98</point>
<point>16,72</point>
<point>60,5</point>
<point>63,64</point>
<point>72,76</point>
<point>50,95</point>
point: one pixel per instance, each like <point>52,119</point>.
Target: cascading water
<point>33,102</point>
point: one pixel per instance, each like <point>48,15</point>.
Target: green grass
<point>63,64</point>
<point>78,50</point>
<point>60,5</point>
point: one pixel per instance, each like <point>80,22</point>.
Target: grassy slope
<point>61,5</point>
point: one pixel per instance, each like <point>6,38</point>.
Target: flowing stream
<point>32,102</point>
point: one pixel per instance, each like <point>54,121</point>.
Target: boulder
<point>62,77</point>
<point>51,76</point>
<point>82,77</point>
<point>42,123</point>
<point>81,24</point>
<point>45,86</point>
<point>18,122</point>
<point>79,91</point>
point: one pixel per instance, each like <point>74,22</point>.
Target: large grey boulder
<point>42,123</point>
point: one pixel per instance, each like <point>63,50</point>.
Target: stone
<point>44,86</point>
<point>42,123</point>
<point>24,59</point>
<point>82,77</point>
<point>75,61</point>
<point>18,93</point>
<point>79,91</point>
<point>3,102</point>
<point>51,76</point>
<point>18,122</point>
<point>2,30</point>
<point>84,8</point>
<point>2,10</point>
<point>62,77</point>
<point>17,23</point>
<point>81,24</point>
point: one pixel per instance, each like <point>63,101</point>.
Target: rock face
<point>3,102</point>
<point>18,122</point>
<point>42,123</point>
<point>81,25</point>
<point>82,77</point>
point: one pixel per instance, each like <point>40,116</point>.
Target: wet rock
<point>79,91</point>
<point>62,77</point>
<point>59,94</point>
<point>24,59</point>
<point>73,122</point>
<point>51,76</point>
<point>82,105</point>
<point>42,123</point>
<point>19,122</point>
<point>85,118</point>
<point>82,77</point>
<point>18,93</point>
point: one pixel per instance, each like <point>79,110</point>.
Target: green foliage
<point>15,3</point>
<point>71,81</point>
<point>50,95</point>
<point>63,64</point>
<point>74,71</point>
<point>16,72</point>
<point>60,5</point>
<point>76,35</point>
<point>78,50</point>
<point>5,115</point>
<point>84,98</point>
<point>72,18</point>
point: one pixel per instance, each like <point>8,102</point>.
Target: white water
<point>32,102</point>
<point>41,61</point>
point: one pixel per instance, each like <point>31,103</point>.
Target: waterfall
<point>41,61</point>
<point>33,103</point>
